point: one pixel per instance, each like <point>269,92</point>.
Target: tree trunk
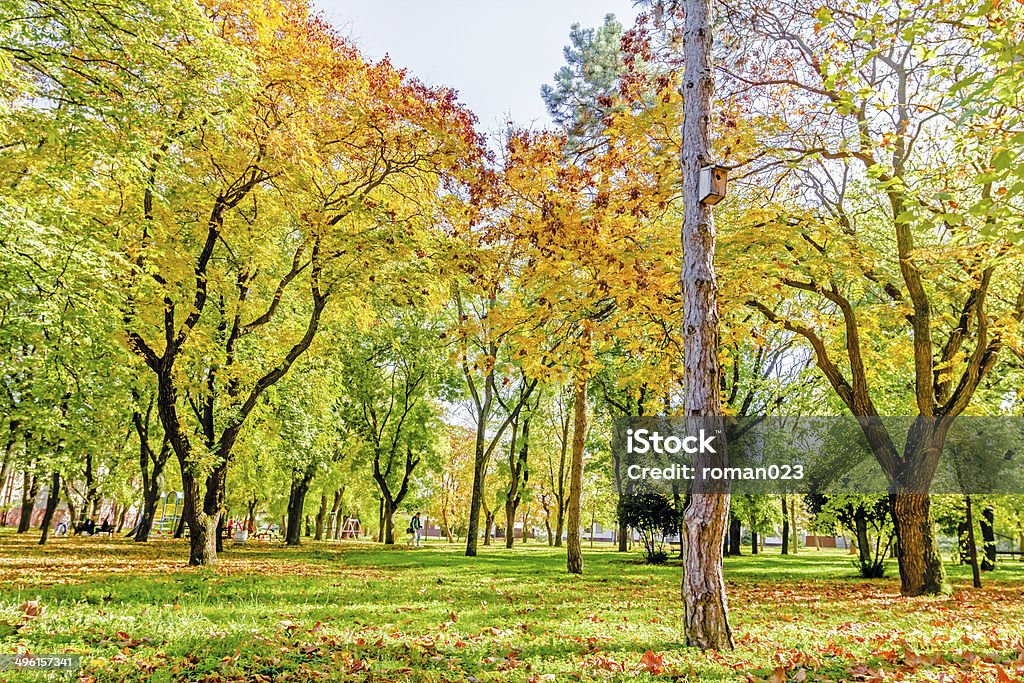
<point>519,476</point>
<point>860,523</point>
<point>179,528</point>
<point>706,615</point>
<point>296,502</point>
<point>151,465</point>
<point>389,522</point>
<point>381,523</point>
<point>988,538</point>
<point>202,514</point>
<point>71,507</point>
<point>735,535</point>
<point>972,548</point>
<point>510,523</point>
<point>753,542</point>
<point>88,510</point>
<point>785,526</point>
<point>446,525</point>
<point>52,500</point>
<point>547,524</point>
<point>321,516</point>
<point>917,548</point>
<point>251,516</point>
<point>7,465</point>
<point>488,525</point>
<point>120,519</point>
<point>30,489</point>
<point>559,525</point>
<point>574,553</point>
<point>479,476</point>
<point>150,498</point>
<point>337,524</point>
<point>221,529</point>
<point>962,543</point>
<point>792,524</point>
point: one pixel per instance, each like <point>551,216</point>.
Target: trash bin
<point>241,536</point>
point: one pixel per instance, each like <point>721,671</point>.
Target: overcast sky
<point>495,53</point>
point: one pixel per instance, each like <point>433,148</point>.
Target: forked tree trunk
<point>151,464</point>
<point>921,571</point>
<point>202,513</point>
<point>251,517</point>
<point>706,616</point>
<point>150,498</point>
<point>337,523</point>
<point>574,552</point>
<point>446,525</point>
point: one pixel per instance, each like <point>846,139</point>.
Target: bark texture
<point>706,615</point>
<point>574,553</point>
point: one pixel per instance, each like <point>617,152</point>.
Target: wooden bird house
<point>713,180</point>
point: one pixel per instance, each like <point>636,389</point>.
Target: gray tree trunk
<point>574,553</point>
<point>706,615</point>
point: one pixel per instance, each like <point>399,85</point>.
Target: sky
<point>495,53</point>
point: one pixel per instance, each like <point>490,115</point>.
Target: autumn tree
<point>894,256</point>
<point>396,373</point>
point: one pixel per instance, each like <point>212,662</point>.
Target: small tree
<point>654,517</point>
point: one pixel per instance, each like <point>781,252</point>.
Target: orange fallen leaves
<point>653,663</point>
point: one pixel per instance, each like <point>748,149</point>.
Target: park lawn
<point>354,612</point>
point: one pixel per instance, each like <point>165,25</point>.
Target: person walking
<point>416,525</point>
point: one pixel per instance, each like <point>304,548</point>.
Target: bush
<point>657,557</point>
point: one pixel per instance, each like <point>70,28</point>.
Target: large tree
<point>706,618</point>
<point>894,252</point>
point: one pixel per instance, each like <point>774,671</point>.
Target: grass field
<point>354,612</point>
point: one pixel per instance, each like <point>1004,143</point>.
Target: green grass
<point>344,611</point>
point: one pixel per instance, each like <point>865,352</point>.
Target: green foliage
<point>654,517</point>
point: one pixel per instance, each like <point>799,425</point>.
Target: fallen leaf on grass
<point>653,663</point>
<point>31,609</point>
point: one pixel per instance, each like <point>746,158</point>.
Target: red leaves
<point>653,663</point>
